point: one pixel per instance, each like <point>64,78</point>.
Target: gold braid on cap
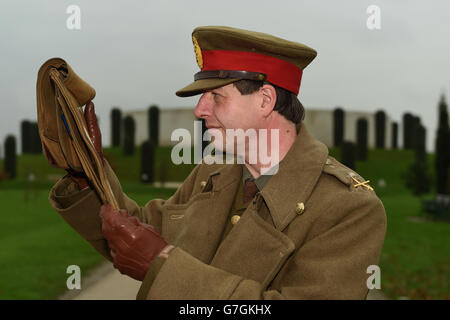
<point>198,52</point>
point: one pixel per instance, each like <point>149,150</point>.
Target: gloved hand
<point>133,244</point>
<point>96,137</point>
<point>93,129</point>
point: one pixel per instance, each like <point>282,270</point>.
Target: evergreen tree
<point>148,162</point>
<point>407,131</point>
<point>129,137</point>
<point>361,139</point>
<point>10,164</point>
<point>338,126</point>
<point>442,149</point>
<point>420,142</point>
<point>153,124</point>
<point>418,178</point>
<point>116,122</point>
<point>415,126</point>
<point>394,135</point>
<point>36,144</point>
<point>380,129</point>
<point>25,133</point>
<point>348,154</point>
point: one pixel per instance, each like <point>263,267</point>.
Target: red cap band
<point>279,72</point>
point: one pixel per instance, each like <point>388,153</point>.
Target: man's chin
<point>215,132</point>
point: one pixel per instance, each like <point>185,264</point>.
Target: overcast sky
<point>137,53</point>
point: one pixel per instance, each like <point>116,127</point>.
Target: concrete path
<point>106,283</point>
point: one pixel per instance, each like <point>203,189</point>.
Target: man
<point>308,231</point>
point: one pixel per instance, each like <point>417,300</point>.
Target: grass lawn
<point>37,246</point>
<point>416,255</point>
<point>127,168</point>
<point>415,260</point>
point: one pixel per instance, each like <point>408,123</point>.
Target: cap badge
<point>198,53</point>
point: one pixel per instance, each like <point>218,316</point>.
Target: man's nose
<point>203,108</point>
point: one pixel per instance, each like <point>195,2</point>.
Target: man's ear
<point>269,98</point>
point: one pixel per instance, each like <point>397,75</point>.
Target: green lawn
<point>37,246</point>
<point>415,261</point>
<point>416,255</point>
<point>126,167</point>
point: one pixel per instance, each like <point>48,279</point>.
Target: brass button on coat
<point>203,184</point>
<point>299,208</point>
<point>235,219</point>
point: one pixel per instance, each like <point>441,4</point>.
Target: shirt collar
<point>261,181</point>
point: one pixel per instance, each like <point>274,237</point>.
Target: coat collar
<point>297,175</point>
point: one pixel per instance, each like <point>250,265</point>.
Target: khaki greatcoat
<point>275,251</point>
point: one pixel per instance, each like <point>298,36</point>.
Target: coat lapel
<point>253,249</point>
<point>204,223</point>
<point>294,182</point>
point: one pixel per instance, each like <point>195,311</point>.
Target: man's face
<point>226,108</point>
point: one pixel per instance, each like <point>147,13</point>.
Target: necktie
<point>250,189</point>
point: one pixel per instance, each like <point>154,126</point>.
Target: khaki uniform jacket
<point>275,251</point>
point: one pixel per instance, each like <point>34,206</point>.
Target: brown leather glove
<point>93,128</point>
<point>96,137</point>
<point>133,244</point>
